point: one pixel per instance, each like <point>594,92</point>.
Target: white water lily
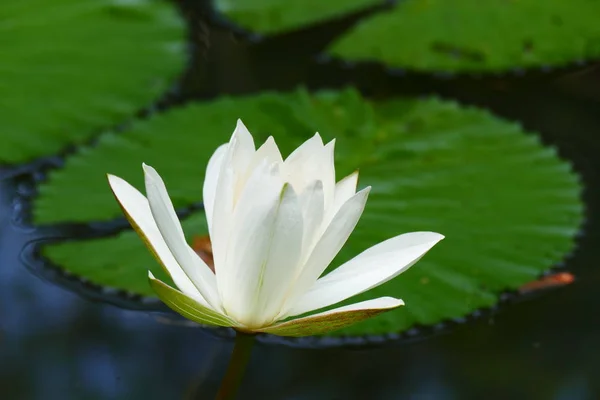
<point>275,225</point>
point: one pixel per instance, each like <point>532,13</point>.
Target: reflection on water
<point>56,345</point>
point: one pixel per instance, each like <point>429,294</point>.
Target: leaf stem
<point>237,366</point>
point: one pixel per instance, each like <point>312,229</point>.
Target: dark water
<point>55,344</point>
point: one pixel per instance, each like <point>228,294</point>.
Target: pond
<point>68,336</point>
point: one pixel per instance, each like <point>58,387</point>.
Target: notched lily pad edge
<point>516,73</point>
<point>22,207</point>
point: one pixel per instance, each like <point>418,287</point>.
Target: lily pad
<point>471,35</point>
<point>71,67</point>
<point>440,35</point>
<point>509,207</point>
<point>274,16</point>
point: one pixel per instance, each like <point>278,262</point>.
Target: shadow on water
<point>57,345</point>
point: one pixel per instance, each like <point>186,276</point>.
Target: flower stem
<point>237,366</point>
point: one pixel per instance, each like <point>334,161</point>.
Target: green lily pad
<point>509,207</point>
<point>274,16</point>
<point>471,35</point>
<point>71,67</point>
<point>441,35</point>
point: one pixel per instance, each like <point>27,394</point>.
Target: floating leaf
<point>273,16</point>
<point>441,35</point>
<point>509,207</point>
<point>471,35</point>
<point>71,67</point>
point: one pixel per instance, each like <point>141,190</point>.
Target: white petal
<point>242,144</point>
<point>310,162</point>
<point>305,151</point>
<point>373,304</point>
<point>263,250</point>
<point>242,157</point>
<point>312,204</point>
<point>370,268</point>
<point>268,151</point>
<point>137,210</point>
<point>240,151</point>
<point>331,320</point>
<point>345,189</point>
<point>283,256</point>
<point>210,182</point>
<point>221,215</point>
<point>329,245</point>
<point>170,228</point>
